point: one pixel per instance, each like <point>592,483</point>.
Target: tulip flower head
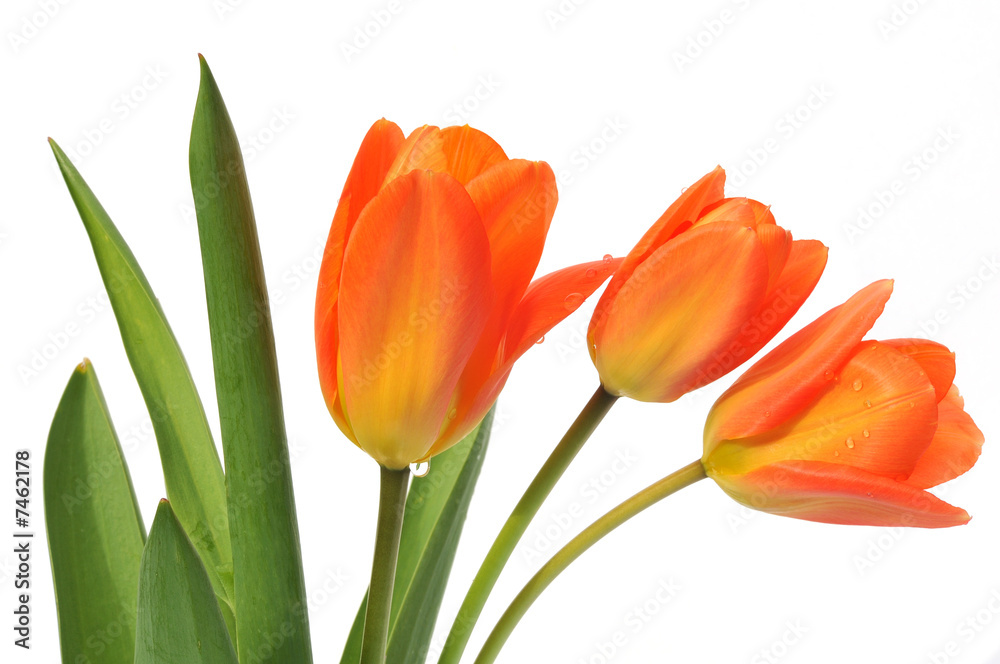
<point>706,287</point>
<point>831,428</point>
<point>425,298</point>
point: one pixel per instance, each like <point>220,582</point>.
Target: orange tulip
<point>425,298</point>
<point>706,287</point>
<point>831,428</point>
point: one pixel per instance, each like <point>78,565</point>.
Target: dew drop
<point>858,384</point>
<point>541,339</point>
<point>420,469</point>
<point>767,413</point>
<point>453,413</point>
<point>866,433</point>
<point>850,443</point>
<point>836,453</point>
<point>868,403</point>
<point>828,375</point>
<point>912,404</point>
<point>608,258</point>
<point>572,301</point>
<point>591,273</point>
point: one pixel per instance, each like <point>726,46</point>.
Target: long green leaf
<point>271,610</point>
<point>178,619</point>
<point>191,468</point>
<point>93,526</point>
<point>436,507</point>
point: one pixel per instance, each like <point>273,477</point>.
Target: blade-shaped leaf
<point>178,619</point>
<point>93,526</point>
<point>267,564</point>
<point>436,507</point>
<point>191,468</point>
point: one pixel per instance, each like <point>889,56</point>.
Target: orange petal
<point>736,210</point>
<point>547,301</point>
<point>803,268</point>
<point>679,312</point>
<point>414,297</point>
<point>790,377</point>
<point>462,152</point>
<point>377,151</point>
<point>684,211</point>
<point>955,448</point>
<point>777,244</point>
<point>516,200</point>
<point>936,360</point>
<point>835,493</point>
<point>879,414</point>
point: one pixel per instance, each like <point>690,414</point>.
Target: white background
<point>841,98</point>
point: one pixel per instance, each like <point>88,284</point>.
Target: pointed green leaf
<point>267,564</point>
<point>191,468</point>
<point>436,507</point>
<point>93,526</point>
<point>178,619</point>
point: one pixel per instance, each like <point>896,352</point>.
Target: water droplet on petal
<point>850,443</point>
<point>829,375</point>
<point>767,413</point>
<point>866,433</point>
<point>453,413</point>
<point>540,339</point>
<point>868,403</point>
<point>420,469</point>
<point>591,273</point>
<point>572,301</point>
<point>836,453</point>
<point>858,384</point>
<point>912,404</point>
<point>608,258</point>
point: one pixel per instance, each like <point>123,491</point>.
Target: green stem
<point>392,500</point>
<point>649,496</point>
<point>512,531</point>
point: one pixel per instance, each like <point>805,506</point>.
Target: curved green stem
<point>392,500</point>
<point>512,531</point>
<point>649,496</point>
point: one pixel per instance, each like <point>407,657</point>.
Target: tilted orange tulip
<point>425,298</point>
<point>706,287</point>
<point>831,428</point>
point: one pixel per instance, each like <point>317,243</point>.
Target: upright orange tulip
<point>425,298</point>
<point>831,428</point>
<point>705,288</point>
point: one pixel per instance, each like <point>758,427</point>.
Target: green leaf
<point>93,526</point>
<point>178,619</point>
<point>271,610</point>
<point>436,507</point>
<point>191,469</point>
